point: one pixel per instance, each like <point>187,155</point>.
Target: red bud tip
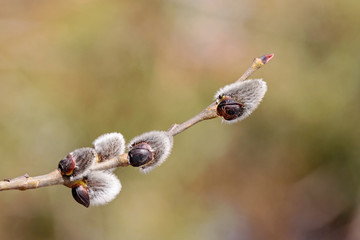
<point>266,58</point>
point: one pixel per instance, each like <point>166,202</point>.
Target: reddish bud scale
<point>80,194</point>
<point>77,163</point>
<point>266,58</point>
<point>67,165</point>
<point>229,109</point>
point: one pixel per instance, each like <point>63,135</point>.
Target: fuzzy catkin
<point>160,143</point>
<point>102,187</point>
<point>84,158</point>
<point>249,93</point>
<point>109,145</point>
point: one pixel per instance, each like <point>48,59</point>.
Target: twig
<point>55,178</point>
<point>207,113</point>
<point>256,64</point>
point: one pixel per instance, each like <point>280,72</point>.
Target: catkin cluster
<point>98,187</point>
<point>234,102</point>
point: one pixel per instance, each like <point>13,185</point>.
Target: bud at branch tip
<point>261,61</point>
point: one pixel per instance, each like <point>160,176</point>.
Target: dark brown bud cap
<point>67,165</point>
<point>158,143</point>
<point>140,155</point>
<point>229,109</point>
<point>80,194</point>
<point>77,163</point>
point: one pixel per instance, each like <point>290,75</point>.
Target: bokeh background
<point>73,70</point>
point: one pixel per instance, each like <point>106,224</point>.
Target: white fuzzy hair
<point>103,187</point>
<point>161,144</point>
<point>84,159</point>
<point>249,93</point>
<point>109,145</point>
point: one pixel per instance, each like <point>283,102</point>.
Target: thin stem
<point>255,65</point>
<point>208,113</point>
<point>55,178</point>
<point>119,161</point>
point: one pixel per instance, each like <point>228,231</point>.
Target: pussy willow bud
<point>150,150</point>
<point>109,145</point>
<point>77,163</point>
<point>102,187</point>
<point>238,100</point>
<point>140,155</point>
<point>266,58</point>
<point>229,109</point>
<point>67,165</point>
<point>80,193</point>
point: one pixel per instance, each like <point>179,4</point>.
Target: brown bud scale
<point>81,195</point>
<point>229,109</point>
<point>140,155</point>
<point>67,165</point>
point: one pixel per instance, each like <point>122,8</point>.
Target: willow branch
<point>26,182</point>
<point>210,111</point>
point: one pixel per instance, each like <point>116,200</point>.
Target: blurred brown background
<point>72,70</point>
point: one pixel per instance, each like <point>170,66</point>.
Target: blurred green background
<point>73,70</point>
